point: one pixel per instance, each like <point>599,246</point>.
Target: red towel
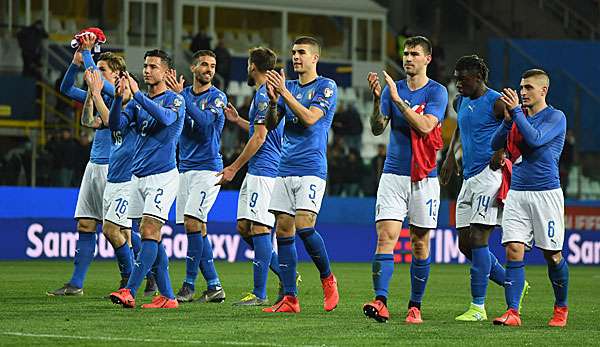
<point>505,185</point>
<point>100,37</point>
<point>424,150</point>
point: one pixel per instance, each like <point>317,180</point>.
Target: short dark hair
<point>534,73</point>
<point>204,53</point>
<point>309,40</point>
<point>263,58</point>
<point>419,41</point>
<point>164,57</point>
<point>472,63</point>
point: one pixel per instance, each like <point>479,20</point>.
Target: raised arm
<point>377,120</point>
<point>88,62</point>
<point>206,116</point>
<point>433,114</point>
<point>308,116</point>
<point>67,86</point>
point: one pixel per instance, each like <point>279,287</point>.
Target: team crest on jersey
<point>311,93</point>
<point>328,92</point>
<point>219,103</point>
<point>262,106</point>
<point>203,105</point>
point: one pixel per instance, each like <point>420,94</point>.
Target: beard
<point>251,81</point>
<point>202,81</point>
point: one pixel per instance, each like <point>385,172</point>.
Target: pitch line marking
<point>133,339</point>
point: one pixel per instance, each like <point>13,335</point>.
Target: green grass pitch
<point>29,317</point>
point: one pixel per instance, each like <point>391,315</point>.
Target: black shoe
<point>185,294</point>
<point>212,295</point>
<point>151,287</point>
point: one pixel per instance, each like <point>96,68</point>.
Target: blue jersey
<point>477,123</point>
<point>543,141</point>
<point>431,99</point>
<point>158,122</point>
<point>266,160</point>
<point>100,152</point>
<point>201,137</point>
<point>304,151</point>
<point>121,152</point>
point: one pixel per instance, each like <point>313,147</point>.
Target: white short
<point>197,194</point>
<point>477,203</point>
<point>294,193</point>
<point>535,217</point>
<point>398,197</point>
<point>116,203</point>
<point>89,200</point>
<point>153,195</point>
<point>254,199</point>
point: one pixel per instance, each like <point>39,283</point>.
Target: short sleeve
<point>436,103</point>
<point>325,96</point>
<point>261,107</point>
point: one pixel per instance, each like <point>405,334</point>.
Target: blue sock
<point>419,274</point>
<point>192,260</point>
<point>263,249</point>
<point>313,242</point>
<point>514,283</point>
<point>125,260</point>
<point>142,265</point>
<point>207,265</point>
<point>559,277</point>
<point>383,269</point>
<point>160,269</point>
<point>274,264</point>
<point>288,260</point>
<point>497,272</point>
<point>136,243</point>
<point>480,270</point>
<point>84,254</point>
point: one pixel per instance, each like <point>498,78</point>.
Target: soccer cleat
<point>473,314</point>
<point>509,318</point>
<point>251,300</point>
<point>151,287</point>
<point>377,310</point>
<point>413,316</point>
<point>525,291</point>
<point>67,290</point>
<point>161,302</point>
<point>559,319</point>
<point>212,295</point>
<point>289,304</point>
<point>123,297</point>
<point>281,293</point>
<point>330,293</point>
<point>186,293</point>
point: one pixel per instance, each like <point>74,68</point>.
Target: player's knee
<point>243,228</point>
<point>258,229</point>
<point>305,219</point>
<point>111,232</point>
<point>86,225</point>
<point>515,251</point>
<point>285,225</point>
<point>553,257</point>
<point>192,225</point>
<point>150,228</point>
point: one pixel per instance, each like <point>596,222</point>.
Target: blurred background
<point>42,143</point>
